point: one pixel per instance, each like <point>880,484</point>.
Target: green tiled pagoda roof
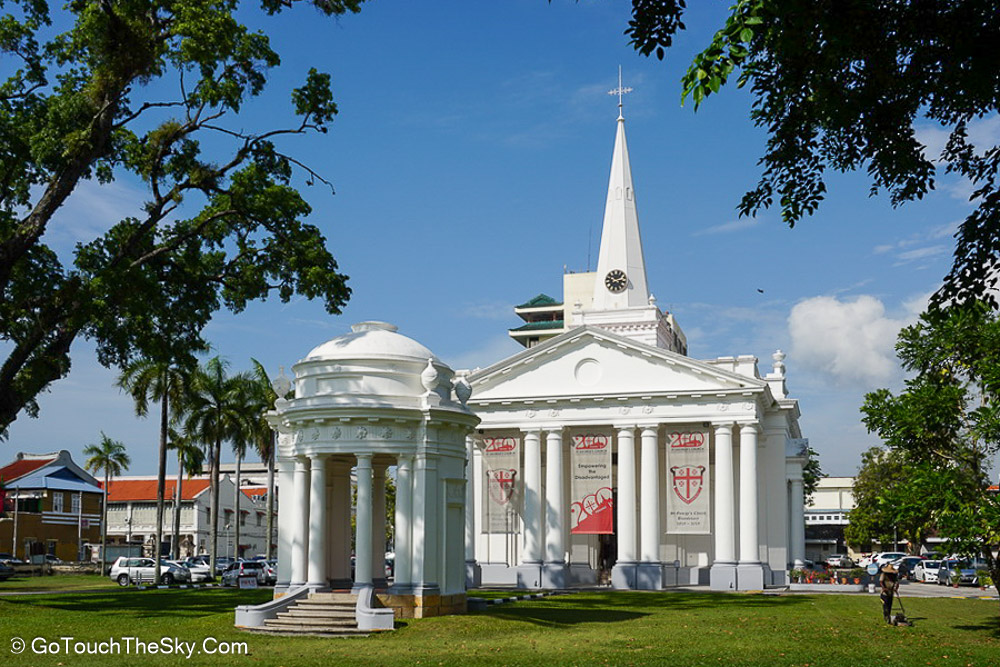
<point>540,326</point>
<point>539,301</point>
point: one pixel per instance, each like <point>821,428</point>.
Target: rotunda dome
<point>369,340</point>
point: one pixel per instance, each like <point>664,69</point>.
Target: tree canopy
<point>222,222</point>
<point>841,85</point>
<point>945,427</point>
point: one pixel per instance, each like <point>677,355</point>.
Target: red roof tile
<point>122,490</point>
<point>253,492</point>
<point>12,471</point>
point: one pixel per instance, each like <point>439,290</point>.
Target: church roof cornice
<point>536,354</point>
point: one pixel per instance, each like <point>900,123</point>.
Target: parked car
<point>245,568</point>
<point>927,571</point>
<point>128,570</point>
<point>840,560</point>
<point>270,572</point>
<point>197,571</point>
<point>222,563</point>
<point>52,560</point>
<point>6,572</point>
<point>8,559</point>
<point>959,571</point>
<point>906,564</point>
<point>887,557</point>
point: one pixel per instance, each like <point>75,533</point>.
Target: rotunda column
<point>403,576</point>
<point>317,571</point>
<point>378,525</point>
<point>363,532</point>
<point>300,532</point>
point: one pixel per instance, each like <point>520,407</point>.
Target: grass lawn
<point>586,628</point>
<point>56,582</point>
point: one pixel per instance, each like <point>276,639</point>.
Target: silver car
<point>128,570</point>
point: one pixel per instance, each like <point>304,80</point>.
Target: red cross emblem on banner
<point>687,482</point>
<point>501,485</point>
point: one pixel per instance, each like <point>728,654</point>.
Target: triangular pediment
<point>588,361</point>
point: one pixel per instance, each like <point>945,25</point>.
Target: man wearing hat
<point>889,581</point>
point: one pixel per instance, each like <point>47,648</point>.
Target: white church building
<point>605,453</point>
<point>600,453</point>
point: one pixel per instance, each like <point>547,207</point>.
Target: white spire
<point>621,246</point>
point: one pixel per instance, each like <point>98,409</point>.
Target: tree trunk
<point>177,505</point>
<point>214,537</point>
<point>161,481</point>
<point>268,551</point>
<point>236,509</point>
<point>104,522</point>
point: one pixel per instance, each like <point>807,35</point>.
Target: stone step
<point>314,618</point>
<point>306,621</point>
<point>327,603</point>
<point>345,598</point>
<point>318,613</point>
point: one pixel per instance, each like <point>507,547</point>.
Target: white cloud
<point>492,310</point>
<point>921,245</point>
<point>851,342</point>
<point>738,225</point>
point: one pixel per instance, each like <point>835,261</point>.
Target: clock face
<point>616,281</point>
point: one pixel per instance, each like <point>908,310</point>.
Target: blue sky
<point>470,159</point>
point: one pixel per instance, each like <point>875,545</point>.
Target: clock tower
<point>621,300</point>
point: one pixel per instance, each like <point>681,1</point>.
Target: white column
<point>378,524</point>
<point>300,533</point>
<point>650,489</point>
<point>363,532</point>
<point>317,523</point>
<point>749,543</point>
<point>532,498</point>
<point>426,534</point>
<point>626,496</point>
<point>286,529</point>
<point>798,520</point>
<point>555,505</point>
<point>404,522</point>
<point>725,528</point>
<point>471,484</point>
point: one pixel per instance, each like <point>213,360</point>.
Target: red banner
<point>592,503</point>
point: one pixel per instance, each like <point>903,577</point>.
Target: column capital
<point>561,430</point>
<point>750,425</point>
<point>530,430</point>
<point>723,425</point>
<point>646,428</point>
<point>624,427</point>
<point>364,460</point>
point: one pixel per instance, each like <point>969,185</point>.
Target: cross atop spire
<point>620,91</point>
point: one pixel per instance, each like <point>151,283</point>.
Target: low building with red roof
<point>132,516</point>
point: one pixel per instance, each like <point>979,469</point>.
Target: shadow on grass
<point>563,617</point>
<point>618,606</point>
<point>179,603</point>
<point>678,600</point>
<point>989,627</point>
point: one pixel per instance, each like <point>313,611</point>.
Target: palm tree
<point>190,458</point>
<point>213,415</point>
<point>147,379</point>
<point>108,455</point>
<point>239,441</point>
<point>262,395</point>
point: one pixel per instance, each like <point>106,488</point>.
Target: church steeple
<point>621,269</point>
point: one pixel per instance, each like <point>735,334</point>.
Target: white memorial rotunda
<point>606,454</point>
<point>369,400</point>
